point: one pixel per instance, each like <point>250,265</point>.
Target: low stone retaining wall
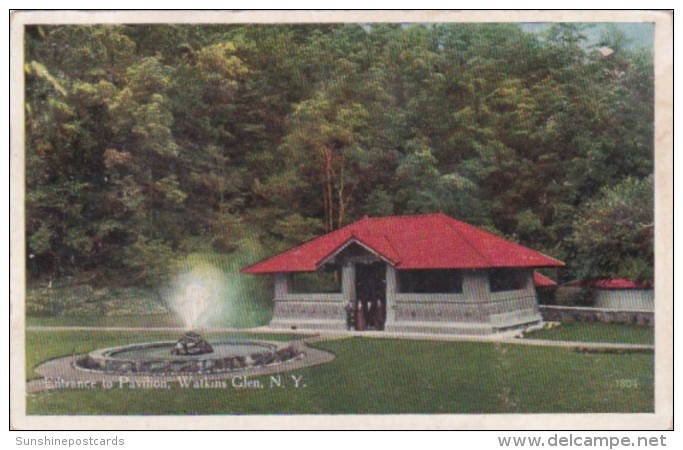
<point>587,314</point>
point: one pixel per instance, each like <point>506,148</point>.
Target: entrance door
<point>371,296</point>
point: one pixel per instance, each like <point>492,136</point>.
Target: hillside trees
<point>147,143</point>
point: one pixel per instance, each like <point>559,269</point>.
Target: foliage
<point>574,296</point>
<point>147,143</point>
<point>614,234</point>
<point>86,301</point>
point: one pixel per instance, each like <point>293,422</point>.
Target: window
<point>507,279</point>
<point>430,281</point>
<point>316,283</point>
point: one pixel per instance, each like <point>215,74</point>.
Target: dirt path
<point>317,336</point>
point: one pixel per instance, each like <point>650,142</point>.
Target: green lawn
<point>383,376</point>
<point>597,332</point>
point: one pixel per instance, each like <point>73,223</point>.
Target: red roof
<point>611,284</point>
<point>432,241</point>
<point>543,281</point>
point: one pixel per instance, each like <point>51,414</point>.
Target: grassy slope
<point>597,332</point>
<point>144,320</point>
<point>395,376</point>
<point>149,321</point>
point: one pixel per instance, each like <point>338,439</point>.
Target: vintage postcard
<point>347,219</point>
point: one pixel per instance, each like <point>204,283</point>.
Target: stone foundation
<point>475,311</point>
<point>461,329</point>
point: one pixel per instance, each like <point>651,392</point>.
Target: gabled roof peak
<point>412,242</point>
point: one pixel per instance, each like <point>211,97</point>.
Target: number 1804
<point>628,383</point>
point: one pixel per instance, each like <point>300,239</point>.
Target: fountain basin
<point>156,358</point>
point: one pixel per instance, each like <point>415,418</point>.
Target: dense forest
<point>146,145</point>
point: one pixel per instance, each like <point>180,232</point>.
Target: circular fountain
<point>191,355</point>
<point>172,357</point>
<point>189,298</point>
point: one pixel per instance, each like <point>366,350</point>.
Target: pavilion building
<point>419,274</point>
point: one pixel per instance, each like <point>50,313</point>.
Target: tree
<point>614,234</point>
<point>325,139</point>
<point>65,126</point>
<point>423,188</point>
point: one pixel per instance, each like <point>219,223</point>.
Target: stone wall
<point>306,311</point>
<point>438,308</point>
<point>586,314</point>
<point>475,311</point>
<point>516,308</point>
<point>303,311</point>
<point>463,313</point>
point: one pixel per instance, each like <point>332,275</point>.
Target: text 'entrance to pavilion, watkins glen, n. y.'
<point>371,299</point>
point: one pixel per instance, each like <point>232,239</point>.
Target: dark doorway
<point>371,296</point>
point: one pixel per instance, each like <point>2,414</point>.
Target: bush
<point>85,300</point>
<point>546,295</point>
<point>573,296</point>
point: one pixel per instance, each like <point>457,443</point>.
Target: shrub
<point>573,296</point>
<point>546,295</point>
<point>85,300</point>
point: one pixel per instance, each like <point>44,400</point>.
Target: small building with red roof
<point>619,294</point>
<point>541,281</point>
<point>545,288</point>
<point>419,273</point>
